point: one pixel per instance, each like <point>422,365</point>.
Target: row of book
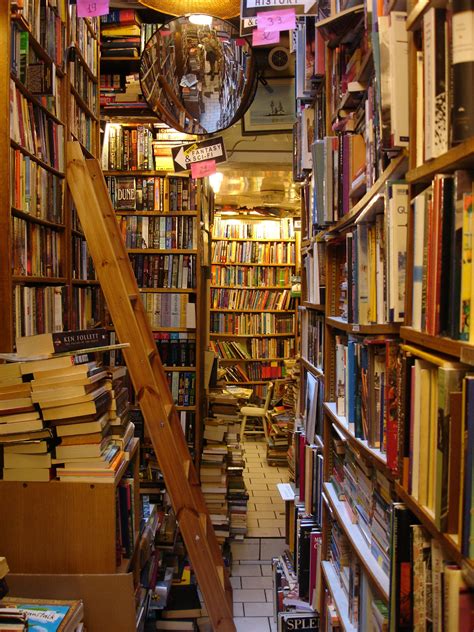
<point>257,349</point>
<point>164,271</point>
<point>312,338</point>
<point>182,386</point>
<point>48,26</point>
<point>162,233</point>
<point>37,249</point>
<point>155,193</point>
<point>248,324</point>
<point>315,272</point>
<point>81,81</point>
<point>124,34</point>
<point>176,348</point>
<point>436,431</point>
<point>34,131</point>
<point>246,276</point>
<point>376,263</point>
<point>36,75</point>
<point>366,495</point>
<point>254,371</point>
<point>82,125</point>
<point>169,310</point>
<point>127,149</point>
<point>81,260</point>
<point>88,306</point>
<point>313,417</point>
<point>366,390</point>
<point>251,299</point>
<point>253,252</point>
<point>263,229</point>
<point>35,190</point>
<point>442,269</point>
<point>38,309</point>
<point>84,34</point>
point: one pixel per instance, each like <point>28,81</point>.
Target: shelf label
<point>92,8</point>
<point>203,169</point>
<point>249,9</point>
<point>260,38</point>
<point>277,20</point>
<point>185,156</point>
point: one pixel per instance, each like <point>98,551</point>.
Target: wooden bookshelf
<point>234,244</point>
<point>378,578</point>
<point>338,595</point>
<point>339,323</point>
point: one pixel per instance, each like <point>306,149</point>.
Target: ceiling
<point>252,185</point>
<point>249,185</point>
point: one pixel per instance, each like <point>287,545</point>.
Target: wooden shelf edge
<point>398,163</point>
<point>338,596</point>
<point>458,157</point>
<point>374,571</point>
<point>354,328</point>
<point>418,11</point>
<point>374,454</point>
<point>316,306</point>
<point>311,368</point>
<point>426,520</point>
<point>437,343</point>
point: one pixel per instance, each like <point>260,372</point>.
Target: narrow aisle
<point>251,570</point>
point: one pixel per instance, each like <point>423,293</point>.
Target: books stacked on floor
<point>18,613</point>
<point>27,451</point>
<point>223,405</point>
<point>237,495</point>
<point>277,446</point>
<point>122,428</point>
<point>214,476</point>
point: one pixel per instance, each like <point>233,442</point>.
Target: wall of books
<point>381,523</point>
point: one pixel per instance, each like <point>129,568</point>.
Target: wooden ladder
<point>114,272</point>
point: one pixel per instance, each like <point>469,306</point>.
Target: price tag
<point>203,169</point>
<point>92,8</point>
<point>260,38</point>
<point>278,20</point>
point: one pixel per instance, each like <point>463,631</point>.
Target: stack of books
<point>41,614</point>
<point>214,477</point>
<point>122,428</point>
<point>120,34</point>
<point>26,449</point>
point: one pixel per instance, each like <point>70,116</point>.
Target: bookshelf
<point>379,312</point>
<point>252,311</point>
<point>52,96</point>
<point>159,213</point>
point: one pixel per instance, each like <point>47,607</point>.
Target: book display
<point>382,455</point>
<point>252,311</point>
<point>158,214</point>
<point>52,95</point>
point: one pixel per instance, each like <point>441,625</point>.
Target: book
<point>82,450</point>
<point>95,407</point>
<point>39,475</point>
<point>298,621</point>
<point>49,615</point>
<point>61,341</point>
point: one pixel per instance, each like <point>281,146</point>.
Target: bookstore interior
<point>236,353</point>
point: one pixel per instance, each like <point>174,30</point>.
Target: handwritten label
<point>260,38</point>
<point>92,8</point>
<point>278,20</point>
<point>203,169</point>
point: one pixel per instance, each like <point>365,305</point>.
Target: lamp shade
<point>224,9</point>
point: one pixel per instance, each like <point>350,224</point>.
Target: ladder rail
<point>88,189</point>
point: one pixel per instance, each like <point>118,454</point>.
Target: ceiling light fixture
<point>200,19</point>
<point>224,9</point>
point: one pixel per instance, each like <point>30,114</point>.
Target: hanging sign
<point>203,169</point>
<point>250,8</point>
<point>185,155</point>
<point>92,8</point>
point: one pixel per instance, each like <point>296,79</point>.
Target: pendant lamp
<point>224,9</point>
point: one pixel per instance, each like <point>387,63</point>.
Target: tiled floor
<point>251,575</point>
<point>266,510</point>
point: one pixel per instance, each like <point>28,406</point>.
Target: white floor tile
<point>258,609</point>
<point>249,596</point>
<point>252,624</point>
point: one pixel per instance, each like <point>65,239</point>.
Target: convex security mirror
<point>197,74</point>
